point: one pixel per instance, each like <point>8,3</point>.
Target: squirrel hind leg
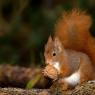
<point>69,82</point>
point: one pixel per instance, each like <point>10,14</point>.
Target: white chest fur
<point>73,79</point>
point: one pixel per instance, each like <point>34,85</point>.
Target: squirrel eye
<point>54,54</point>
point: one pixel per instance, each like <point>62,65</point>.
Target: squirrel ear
<point>50,39</point>
<point>58,44</point>
<point>49,42</point>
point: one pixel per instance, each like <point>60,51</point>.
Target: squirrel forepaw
<point>62,84</point>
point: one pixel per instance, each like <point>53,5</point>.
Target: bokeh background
<point>26,24</point>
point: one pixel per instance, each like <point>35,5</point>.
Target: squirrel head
<point>55,56</point>
<point>53,51</point>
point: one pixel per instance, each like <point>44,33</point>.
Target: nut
<point>51,72</point>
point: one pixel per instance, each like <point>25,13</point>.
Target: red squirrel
<point>70,54</point>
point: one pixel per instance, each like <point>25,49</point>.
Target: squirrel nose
<point>47,63</point>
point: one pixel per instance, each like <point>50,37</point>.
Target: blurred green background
<point>26,24</point>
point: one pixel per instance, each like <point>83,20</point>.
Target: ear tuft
<point>49,43</point>
<point>50,39</point>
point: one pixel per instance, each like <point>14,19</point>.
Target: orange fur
<point>73,31</point>
<point>74,48</point>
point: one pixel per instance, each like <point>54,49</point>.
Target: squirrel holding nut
<point>70,53</point>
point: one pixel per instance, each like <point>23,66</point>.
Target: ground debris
<point>87,88</point>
